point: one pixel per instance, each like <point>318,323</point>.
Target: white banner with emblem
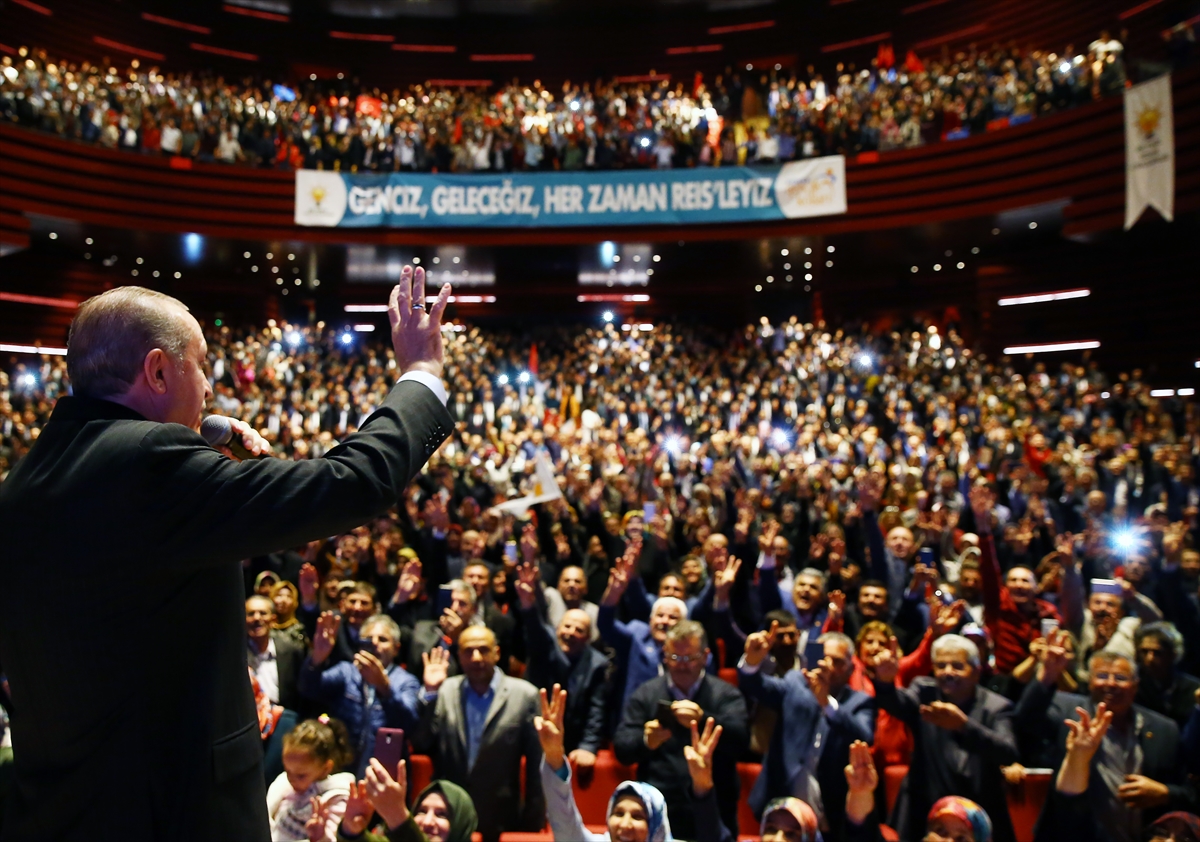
<point>1149,150</point>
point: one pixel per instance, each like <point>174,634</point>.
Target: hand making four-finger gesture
<point>549,726</point>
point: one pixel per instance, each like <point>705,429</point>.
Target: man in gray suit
<point>477,727</point>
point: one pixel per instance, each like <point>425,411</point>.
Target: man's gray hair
<point>381,620</point>
<point>819,574</point>
<point>957,643</point>
<point>839,638</point>
<point>687,630</point>
<point>461,585</point>
<point>113,332</point>
<point>1109,657</point>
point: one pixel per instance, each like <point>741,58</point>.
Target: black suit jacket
<point>666,767</point>
<point>289,657</point>
<point>133,525</point>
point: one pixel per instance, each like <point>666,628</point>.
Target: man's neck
<point>1125,721</point>
<point>482,688</point>
<point>260,644</point>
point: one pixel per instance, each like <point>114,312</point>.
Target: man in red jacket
<point>1012,612</point>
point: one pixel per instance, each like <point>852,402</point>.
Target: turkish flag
<point>533,360</point>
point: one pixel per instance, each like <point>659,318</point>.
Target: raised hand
<point>699,756</point>
<point>358,810</point>
<point>766,538</point>
<point>818,681</point>
<point>619,578</point>
<point>437,667</point>
<point>1052,658</point>
<point>982,502</point>
<point>409,582</point>
<point>759,644</point>
<point>654,734</point>
<point>549,726</point>
<point>526,585</point>
<point>451,624</point>
<point>837,604</point>
<point>314,828</point>
<point>686,712</point>
<point>944,715</point>
<point>949,617</point>
<point>326,638</point>
<point>723,581</point>
<point>1084,737</point>
<point>529,544</point>
<point>885,666</point>
<point>861,780</point>
<point>372,671</point>
<point>416,334</point>
<point>870,491</point>
<point>310,581</point>
<point>387,794</point>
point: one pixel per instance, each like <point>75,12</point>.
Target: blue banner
<point>815,187</point>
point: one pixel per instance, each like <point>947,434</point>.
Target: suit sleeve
<point>628,744</point>
<point>859,725</point>
<point>901,704</point>
<point>402,705</point>
<point>732,716</point>
<point>204,508</point>
<point>997,743</point>
<point>615,633</point>
<point>767,690</point>
<point>424,738</point>
<point>597,714</point>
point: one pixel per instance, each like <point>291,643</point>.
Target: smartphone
<point>814,651</point>
<point>664,714</point>
<point>445,596</point>
<point>927,557</point>
<point>649,510</point>
<point>389,748</point>
<point>1048,625</point>
<point>510,551</point>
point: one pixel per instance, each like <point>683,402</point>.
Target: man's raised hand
<point>437,667</point>
<point>549,726</point>
<point>417,333</point>
<point>326,638</point>
<point>699,756</point>
<point>759,644</point>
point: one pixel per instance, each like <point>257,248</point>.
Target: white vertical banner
<point>1149,150</point>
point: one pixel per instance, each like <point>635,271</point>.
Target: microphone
<point>218,432</point>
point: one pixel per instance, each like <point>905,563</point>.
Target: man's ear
<point>154,368</point>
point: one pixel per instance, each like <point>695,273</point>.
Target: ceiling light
<point>291,257</point>
<point>975,250</point>
<point>270,256</point>
<point>962,265</point>
<point>178,275</point>
<point>937,267</point>
<point>138,261</point>
<point>915,270</point>
<point>53,236</point>
<point>1032,225</point>
<point>758,287</point>
<point>830,249</point>
<point>1084,345</point>
<point>828,263</point>
<point>657,258</point>
<point>784,252</point>
<point>88,241</point>
<point>1041,298</point>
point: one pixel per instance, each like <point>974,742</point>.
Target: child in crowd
<point>307,801</point>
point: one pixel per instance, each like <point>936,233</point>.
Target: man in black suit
<point>163,742</point>
<point>654,740</point>
<point>1120,798</point>
<point>273,657</point>
<point>962,735</point>
<point>563,656</point>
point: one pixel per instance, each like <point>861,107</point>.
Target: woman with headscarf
<point>789,820</point>
<point>287,599</point>
<point>442,812</point>
<point>637,812</point>
<point>1175,827</point>
<point>951,819</point>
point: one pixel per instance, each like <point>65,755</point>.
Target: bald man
<point>149,525</point>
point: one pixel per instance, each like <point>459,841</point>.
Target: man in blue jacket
<point>819,717</point>
<point>367,694</point>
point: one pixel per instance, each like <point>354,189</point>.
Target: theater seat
<point>893,776</point>
<point>592,799</point>
<point>747,775</point>
<point>1025,803</point>
<point>542,836</point>
<point>420,773</point>
<point>728,675</point>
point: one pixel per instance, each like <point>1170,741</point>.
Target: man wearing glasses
<point>1137,773</point>
<point>658,722</point>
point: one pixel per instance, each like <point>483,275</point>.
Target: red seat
<point>592,799</point>
<point>747,775</point>
<point>893,776</point>
<point>541,836</point>
<point>728,675</point>
<point>420,773</point>
<point>1025,804</point>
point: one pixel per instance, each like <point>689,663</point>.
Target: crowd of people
<point>736,117</point>
<point>824,550</point>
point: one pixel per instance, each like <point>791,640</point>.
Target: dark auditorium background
<point>966,405</point>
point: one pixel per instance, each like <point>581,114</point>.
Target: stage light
<point>53,236</point>
<point>193,247</point>
<point>645,142</point>
<point>865,360</point>
<point>502,380</point>
<point>347,338</point>
<point>830,249</point>
<point>88,241</point>
<point>673,445</point>
<point>1125,540</point>
<point>1065,67</point>
<point>1032,225</point>
<point>781,439</point>
<point>294,338</point>
<point>608,316</point>
<point>657,258</point>
<point>523,377</point>
<point>783,252</point>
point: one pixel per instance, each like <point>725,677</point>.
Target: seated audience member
<point>477,726</point>
<point>444,632</point>
<point>686,693</point>
<point>369,693</point>
<point>638,645</point>
<point>306,802</point>
<point>356,602</point>
<point>1103,624</point>
<point>562,656</point>
<point>969,586</point>
<point>1012,611</point>
<point>441,812</point>
<point>871,606</point>
<point>808,604</point>
<point>1175,827</point>
<point>819,717</point>
<point>1068,680</point>
<point>950,819</point>
<point>286,598</point>
<point>273,656</point>
<point>962,735</point>
<point>570,595</point>
<point>637,812</point>
<point>1162,686</point>
<point>1139,771</point>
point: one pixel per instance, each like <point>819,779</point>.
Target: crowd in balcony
<point>832,552</point>
<point>738,117</point>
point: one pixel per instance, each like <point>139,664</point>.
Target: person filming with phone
<point>151,525</point>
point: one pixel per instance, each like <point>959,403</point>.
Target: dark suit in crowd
<point>965,762</point>
<point>666,767</point>
<point>133,524</point>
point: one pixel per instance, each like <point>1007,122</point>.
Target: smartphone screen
<point>814,651</point>
<point>648,512</point>
<point>510,550</point>
<point>389,748</point>
<point>444,598</point>
<point>664,714</point>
